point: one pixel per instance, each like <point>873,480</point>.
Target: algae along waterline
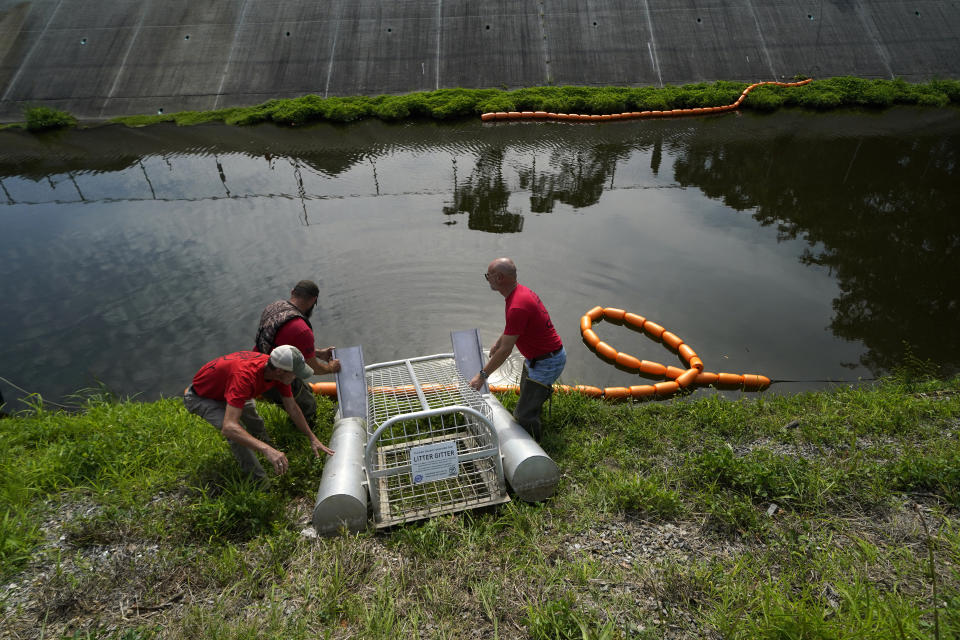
<point>809,248</point>
<point>828,514</point>
<point>820,94</point>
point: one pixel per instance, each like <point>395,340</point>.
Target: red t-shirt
<point>236,378</point>
<point>299,334</point>
<point>528,319</point>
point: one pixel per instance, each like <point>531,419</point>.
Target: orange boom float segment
<point>611,313</point>
<point>705,378</point>
<point>590,337</point>
<point>674,372</point>
<point>685,352</point>
<point>729,379</point>
<point>587,390</point>
<point>324,388</point>
<point>652,368</point>
<point>642,391</point>
<point>628,361</point>
<point>671,340</point>
<point>653,330</point>
<point>634,320</point>
<point>667,388</point>
<point>687,377</point>
<point>606,351</point>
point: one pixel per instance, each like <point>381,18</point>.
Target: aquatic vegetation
<point>44,118</point>
<point>448,104</point>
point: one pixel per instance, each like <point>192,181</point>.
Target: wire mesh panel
<point>432,448</point>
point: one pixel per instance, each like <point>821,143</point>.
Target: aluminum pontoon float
<point>413,440</point>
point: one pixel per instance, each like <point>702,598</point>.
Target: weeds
<point>447,104</point>
<point>240,511</point>
<point>46,118</point>
<point>18,537</point>
<point>690,518</point>
<point>560,620</point>
<point>646,497</point>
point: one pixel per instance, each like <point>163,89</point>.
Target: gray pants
<point>302,393</point>
<point>527,412</point>
<point>213,412</point>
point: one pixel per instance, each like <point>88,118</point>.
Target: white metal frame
<point>406,409</point>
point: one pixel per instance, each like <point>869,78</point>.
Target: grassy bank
<point>446,104</point>
<point>822,515</point>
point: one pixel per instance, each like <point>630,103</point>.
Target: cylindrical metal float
<point>342,497</point>
<point>531,473</point>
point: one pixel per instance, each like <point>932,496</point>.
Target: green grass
<point>704,517</point>
<point>447,104</point>
<point>44,118</point>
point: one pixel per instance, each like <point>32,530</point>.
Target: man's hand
<point>278,460</point>
<point>477,382</point>
<point>321,366</point>
<point>318,446</point>
<point>325,354</point>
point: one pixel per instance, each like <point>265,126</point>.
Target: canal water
<point>816,249</point>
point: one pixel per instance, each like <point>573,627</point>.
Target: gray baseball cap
<point>289,358</point>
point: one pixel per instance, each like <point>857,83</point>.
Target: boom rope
<point>630,115</point>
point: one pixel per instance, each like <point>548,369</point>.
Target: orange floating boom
<point>542,115</point>
<point>677,378</point>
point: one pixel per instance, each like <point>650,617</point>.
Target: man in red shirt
<point>288,322</point>
<point>223,393</point>
<point>528,326</point>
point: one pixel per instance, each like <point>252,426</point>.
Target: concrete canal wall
<point>102,58</point>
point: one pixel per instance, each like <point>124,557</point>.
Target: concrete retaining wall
<point>102,58</point>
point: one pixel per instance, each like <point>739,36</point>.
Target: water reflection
<point>880,213</point>
<point>161,245</point>
<point>574,176</point>
<point>484,196</point>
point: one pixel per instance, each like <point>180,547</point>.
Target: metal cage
<point>421,409</point>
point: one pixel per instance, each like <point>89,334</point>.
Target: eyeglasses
<point>486,277</point>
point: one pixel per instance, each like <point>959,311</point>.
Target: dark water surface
<point>804,247</point>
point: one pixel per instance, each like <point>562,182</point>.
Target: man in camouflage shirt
<point>288,322</point>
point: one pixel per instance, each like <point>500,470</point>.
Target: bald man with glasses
<point>529,328</point>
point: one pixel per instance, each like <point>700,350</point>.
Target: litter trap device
<point>413,440</point>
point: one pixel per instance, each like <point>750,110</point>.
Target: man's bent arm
<point>234,432</point>
<point>502,348</point>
